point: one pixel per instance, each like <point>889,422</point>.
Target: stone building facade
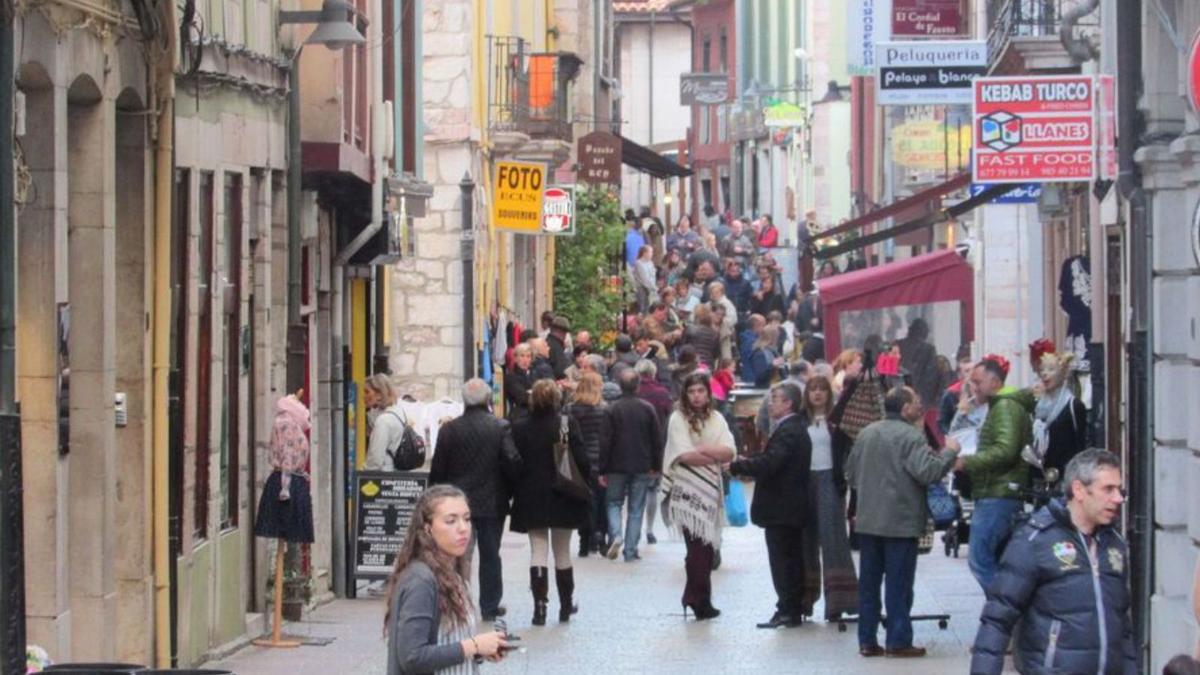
<point>84,243</point>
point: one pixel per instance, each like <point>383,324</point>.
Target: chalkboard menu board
<point>383,507</point>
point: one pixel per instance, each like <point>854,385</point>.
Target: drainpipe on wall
<point>467,187</point>
<point>12,537</point>
<point>164,163</point>
<point>1140,430</point>
<point>297,337</point>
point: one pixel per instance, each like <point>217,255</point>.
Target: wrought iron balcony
<point>1033,21</point>
<point>529,92</point>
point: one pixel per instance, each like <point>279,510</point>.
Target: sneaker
<point>614,548</point>
<point>633,558</point>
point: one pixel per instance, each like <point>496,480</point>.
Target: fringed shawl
<point>693,498</point>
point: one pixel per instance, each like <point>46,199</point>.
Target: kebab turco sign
<point>929,72</point>
<point>703,88</point>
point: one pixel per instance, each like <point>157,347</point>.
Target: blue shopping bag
<point>735,504</point>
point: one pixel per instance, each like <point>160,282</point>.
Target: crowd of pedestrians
<point>593,440</point>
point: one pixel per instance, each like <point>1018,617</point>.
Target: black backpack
<point>410,453</point>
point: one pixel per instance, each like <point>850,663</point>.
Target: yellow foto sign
<point>517,197</point>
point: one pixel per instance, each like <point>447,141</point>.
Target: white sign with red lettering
<point>558,211</point>
<point>1034,129</point>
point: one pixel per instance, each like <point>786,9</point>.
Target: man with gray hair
<point>1063,583</point>
<point>476,453</point>
<point>891,468</point>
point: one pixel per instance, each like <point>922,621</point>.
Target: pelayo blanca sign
<point>703,88</point>
<point>929,72</point>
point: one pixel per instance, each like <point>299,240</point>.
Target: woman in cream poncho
<point>698,443</point>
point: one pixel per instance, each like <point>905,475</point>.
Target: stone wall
<point>1171,170</point>
<point>426,357</point>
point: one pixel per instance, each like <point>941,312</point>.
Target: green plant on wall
<point>584,289</point>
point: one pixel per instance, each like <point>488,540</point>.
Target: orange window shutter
<point>541,80</point>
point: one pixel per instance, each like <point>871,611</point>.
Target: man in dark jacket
<point>560,331</point>
<point>737,286</point>
<point>626,358</point>
<point>890,468</point>
<point>476,453</point>
<point>780,503</point>
<point>630,460</point>
<point>653,391</point>
<point>997,471</point>
<point>1064,581</point>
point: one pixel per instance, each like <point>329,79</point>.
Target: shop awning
<point>925,221</point>
<point>648,161</point>
<point>942,276</point>
<point>899,206</point>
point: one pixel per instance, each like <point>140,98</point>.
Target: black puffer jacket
<point>1071,619</point>
<point>593,427</point>
<point>476,453</point>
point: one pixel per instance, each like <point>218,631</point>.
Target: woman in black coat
<point>546,514</point>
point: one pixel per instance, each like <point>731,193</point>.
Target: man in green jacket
<point>996,470</point>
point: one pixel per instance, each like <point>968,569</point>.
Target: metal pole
<point>467,186</point>
<point>297,347</point>
<point>1140,440</point>
<point>12,531</point>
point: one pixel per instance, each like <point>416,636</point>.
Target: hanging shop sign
<point>1193,73</point>
<point>1024,194</point>
<point>783,114</point>
<point>1106,126</point>
<point>1196,233</point>
<point>928,19</point>
<point>558,211</point>
<point>930,145</point>
<point>517,197</point>
<point>600,158</point>
<point>867,23</point>
<point>928,72</point>
<point>1034,129</point>
<point>383,507</point>
<point>703,88</point>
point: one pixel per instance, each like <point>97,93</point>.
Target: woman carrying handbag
<point>546,506</point>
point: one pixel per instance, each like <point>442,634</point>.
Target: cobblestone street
<point>630,622</point>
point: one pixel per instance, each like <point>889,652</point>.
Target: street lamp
<point>335,26</point>
<point>335,29</point>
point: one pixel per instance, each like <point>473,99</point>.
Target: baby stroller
<point>957,528</point>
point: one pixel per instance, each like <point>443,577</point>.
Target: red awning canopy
<point>943,276</point>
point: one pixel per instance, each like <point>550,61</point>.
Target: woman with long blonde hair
<point>430,621</point>
<point>588,410</point>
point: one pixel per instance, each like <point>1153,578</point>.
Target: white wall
<point>672,58</point>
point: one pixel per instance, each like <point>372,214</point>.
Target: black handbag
<point>568,479</point>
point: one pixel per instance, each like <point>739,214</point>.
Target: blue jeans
<point>892,561</point>
<point>991,524</point>
<point>635,486</point>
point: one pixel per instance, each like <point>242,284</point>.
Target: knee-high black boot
<point>539,584</point>
<point>565,580</point>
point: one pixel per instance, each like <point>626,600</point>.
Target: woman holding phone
<point>430,621</point>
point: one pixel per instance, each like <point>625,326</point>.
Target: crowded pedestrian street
<point>629,621</point>
<point>470,337</point>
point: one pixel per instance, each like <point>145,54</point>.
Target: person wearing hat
<point>560,329</point>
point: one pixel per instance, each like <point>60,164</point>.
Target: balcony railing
<point>529,92</point>
<point>1008,19</point>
